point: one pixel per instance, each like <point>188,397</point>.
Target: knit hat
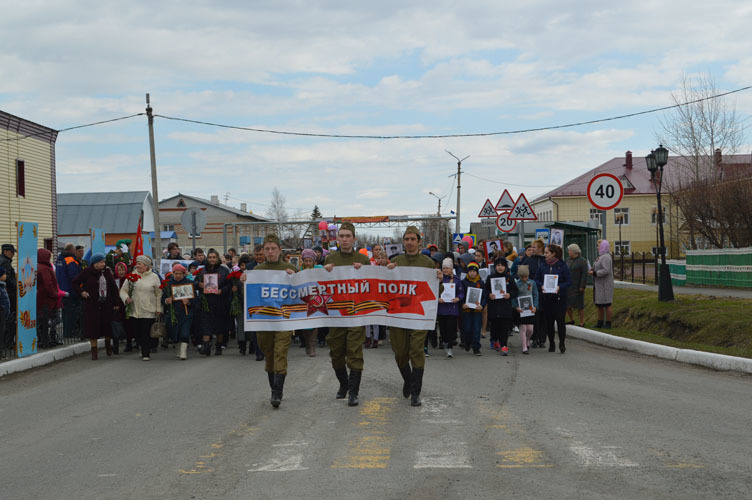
<point>413,230</point>
<point>8,246</point>
<point>272,238</point>
<point>523,271</point>
<point>473,265</point>
<point>144,260</point>
<point>178,267</point>
<point>348,226</point>
<point>308,254</point>
<point>467,258</point>
<point>97,257</point>
<point>447,263</point>
<point>432,246</point>
<point>438,257</point>
<point>501,260</point>
<point>119,265</point>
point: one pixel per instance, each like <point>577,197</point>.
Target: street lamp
<point>438,213</point>
<point>658,159</point>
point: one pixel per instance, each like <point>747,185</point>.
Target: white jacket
<point>147,296</point>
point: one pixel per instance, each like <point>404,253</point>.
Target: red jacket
<point>46,281</point>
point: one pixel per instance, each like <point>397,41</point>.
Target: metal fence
<point>636,267</point>
<point>55,325</point>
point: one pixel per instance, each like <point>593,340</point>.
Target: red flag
<point>138,248</point>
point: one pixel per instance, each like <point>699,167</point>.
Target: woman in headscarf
<point>100,301</point>
<point>578,270</point>
<point>180,308</point>
<point>603,284</point>
<point>216,288</point>
<point>142,296</point>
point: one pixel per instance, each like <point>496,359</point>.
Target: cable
<point>74,127</point>
<point>507,183</point>
<point>446,136</point>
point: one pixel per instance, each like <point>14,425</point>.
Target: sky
<point>358,68</point>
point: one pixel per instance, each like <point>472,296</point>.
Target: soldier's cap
<point>272,238</point>
<point>8,246</point>
<point>348,226</point>
<point>413,230</point>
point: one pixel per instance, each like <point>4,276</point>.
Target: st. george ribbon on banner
<point>404,297</point>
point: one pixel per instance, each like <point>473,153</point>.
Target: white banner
<point>403,297</point>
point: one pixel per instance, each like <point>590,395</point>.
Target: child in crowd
<point>500,313</point>
<point>525,287</point>
<point>472,317</point>
<point>449,310</point>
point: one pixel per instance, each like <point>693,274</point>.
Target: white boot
<point>183,350</point>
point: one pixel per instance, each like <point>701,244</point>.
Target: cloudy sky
<point>365,68</point>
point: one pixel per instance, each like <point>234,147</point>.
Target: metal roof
<point>220,206</point>
<point>114,212</point>
<point>638,176</point>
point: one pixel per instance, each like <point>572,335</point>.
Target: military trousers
<point>346,347</point>
<point>408,345</point>
<point>275,345</point>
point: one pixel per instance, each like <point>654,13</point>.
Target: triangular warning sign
<point>487,210</point>
<point>505,202</point>
<point>522,210</point>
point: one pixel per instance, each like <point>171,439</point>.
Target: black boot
<point>343,383</point>
<point>128,345</point>
<point>416,384</point>
<point>217,350</point>
<point>241,347</point>
<point>599,324</point>
<point>354,388</point>
<point>271,379</point>
<point>279,383</point>
<point>115,346</point>
<point>406,377</point>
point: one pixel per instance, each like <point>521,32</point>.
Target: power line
<point>507,183</point>
<point>74,127</point>
<point>448,136</point>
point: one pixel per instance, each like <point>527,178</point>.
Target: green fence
<point>730,267</point>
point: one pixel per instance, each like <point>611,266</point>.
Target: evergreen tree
<point>316,214</point>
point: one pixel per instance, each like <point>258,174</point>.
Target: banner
<point>404,297</point>
<point>97,241</point>
<point>147,246</point>
<point>26,340</point>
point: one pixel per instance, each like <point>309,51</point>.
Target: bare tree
<point>277,211</point>
<point>693,133</point>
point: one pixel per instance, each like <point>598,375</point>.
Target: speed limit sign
<point>504,223</point>
<point>605,191</point>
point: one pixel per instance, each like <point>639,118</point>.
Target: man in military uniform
<point>275,344</point>
<point>120,254</point>
<point>346,344</point>
<point>6,260</point>
<point>407,344</point>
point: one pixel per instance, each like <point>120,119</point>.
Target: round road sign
<point>605,191</point>
<point>504,223</point>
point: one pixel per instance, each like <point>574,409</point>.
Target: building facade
<point>27,173</point>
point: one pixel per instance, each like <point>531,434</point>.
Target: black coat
<point>501,308</point>
<point>98,316</point>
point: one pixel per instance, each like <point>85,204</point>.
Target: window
<point>168,227</point>
<point>622,247</point>
<point>621,214</point>
<point>595,214</point>
<point>654,216</point>
<point>21,178</point>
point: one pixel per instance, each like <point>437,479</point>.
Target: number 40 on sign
<point>605,191</point>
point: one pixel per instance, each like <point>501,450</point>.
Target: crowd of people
<point>130,305</point>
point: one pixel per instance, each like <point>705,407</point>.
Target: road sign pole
<point>193,232</point>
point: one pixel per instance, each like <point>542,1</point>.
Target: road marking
<point>522,458</point>
<point>589,456</point>
<point>685,466</point>
<point>443,454</point>
<point>294,443</point>
<point>282,464</point>
<point>106,475</point>
<point>372,450</point>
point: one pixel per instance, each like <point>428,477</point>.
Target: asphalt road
<point>592,423</point>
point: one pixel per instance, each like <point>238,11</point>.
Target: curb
<point>45,358</point>
<point>720,362</point>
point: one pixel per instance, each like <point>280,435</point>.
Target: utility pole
<point>459,171</point>
<point>154,191</point>
<point>438,214</point>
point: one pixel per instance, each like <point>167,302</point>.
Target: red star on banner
<point>317,303</point>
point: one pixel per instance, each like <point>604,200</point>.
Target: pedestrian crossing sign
<point>488,210</point>
<point>522,210</point>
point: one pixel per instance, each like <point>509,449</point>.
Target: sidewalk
<point>44,358</point>
<point>740,293</point>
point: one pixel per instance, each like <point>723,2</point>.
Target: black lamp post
<point>658,159</point>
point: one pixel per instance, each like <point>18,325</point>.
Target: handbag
<point>158,330</point>
<point>118,330</point>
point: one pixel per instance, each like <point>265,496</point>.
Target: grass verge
<point>721,325</point>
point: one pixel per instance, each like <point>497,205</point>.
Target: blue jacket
<point>560,269</point>
<point>4,302</point>
<point>467,284</point>
<point>448,308</point>
<point>66,270</point>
